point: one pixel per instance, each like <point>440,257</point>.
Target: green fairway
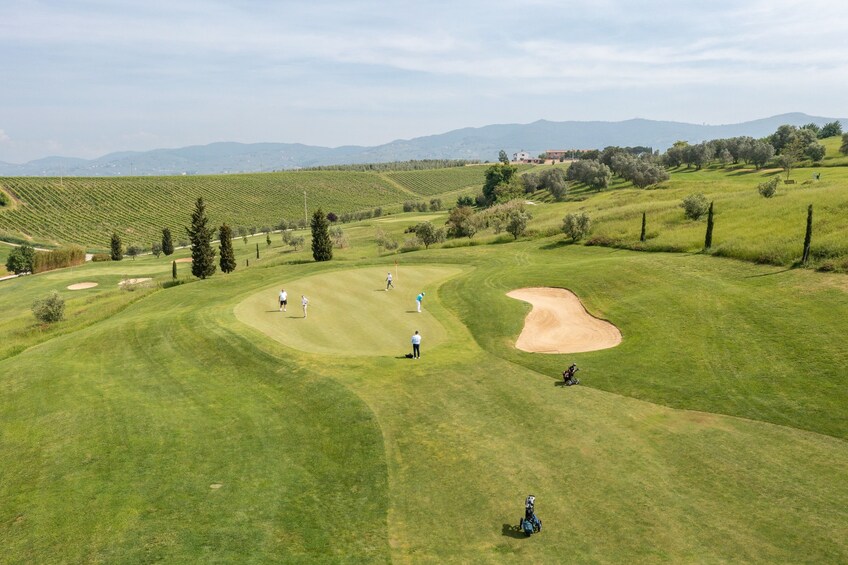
<point>350,312</point>
<point>200,424</point>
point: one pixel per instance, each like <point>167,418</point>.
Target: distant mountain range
<point>482,144</point>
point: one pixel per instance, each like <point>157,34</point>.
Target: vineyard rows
<point>86,211</point>
<point>440,181</point>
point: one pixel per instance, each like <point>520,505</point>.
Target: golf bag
<point>568,377</point>
<point>530,525</point>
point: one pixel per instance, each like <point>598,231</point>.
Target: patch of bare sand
<point>183,260</point>
<point>82,286</point>
<point>133,281</point>
<point>558,323</point>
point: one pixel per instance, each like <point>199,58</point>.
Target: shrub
<point>435,204</point>
<point>296,242</point>
<point>411,244</point>
<point>464,201</point>
<point>339,239</point>
<point>408,206</point>
<point>50,309</point>
<point>768,188</point>
<point>428,234</point>
<point>384,241</point>
<point>98,257</point>
<point>332,217</point>
<point>602,241</point>
<point>58,258</point>
<point>4,200</point>
<point>695,206</point>
<point>461,222</point>
<point>21,260</point>
<point>517,222</point>
<point>576,226</point>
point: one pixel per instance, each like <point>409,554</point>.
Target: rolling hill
<point>482,143</point>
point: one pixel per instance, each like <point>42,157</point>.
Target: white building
<point>521,157</point>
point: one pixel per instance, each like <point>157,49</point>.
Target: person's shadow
<point>512,531</point>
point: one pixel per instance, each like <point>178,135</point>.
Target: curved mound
<point>350,312</point>
<point>82,285</point>
<point>558,323</point>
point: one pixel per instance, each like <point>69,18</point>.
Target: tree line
<point>411,165</point>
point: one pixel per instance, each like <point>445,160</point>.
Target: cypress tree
<point>167,242</point>
<point>268,238</point>
<point>257,251</point>
<point>808,237</point>
<point>174,270</point>
<point>228,258</point>
<point>117,248</point>
<point>642,235</point>
<point>202,254</point>
<point>708,239</point>
<point>322,246</point>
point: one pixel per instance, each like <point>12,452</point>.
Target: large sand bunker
<point>558,323</point>
<point>82,286</point>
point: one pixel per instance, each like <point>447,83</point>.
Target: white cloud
<point>144,73</point>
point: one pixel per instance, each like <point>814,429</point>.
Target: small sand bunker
<point>133,281</point>
<point>82,286</point>
<point>183,260</point>
<point>558,323</point>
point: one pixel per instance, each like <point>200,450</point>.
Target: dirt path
<point>558,323</point>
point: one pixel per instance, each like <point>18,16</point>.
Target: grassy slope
<point>699,333</point>
<point>88,210</point>
<point>130,420</point>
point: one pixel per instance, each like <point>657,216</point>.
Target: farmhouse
<point>522,157</point>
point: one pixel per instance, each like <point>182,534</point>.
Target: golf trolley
<point>530,523</point>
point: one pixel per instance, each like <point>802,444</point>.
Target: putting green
<point>350,312</point>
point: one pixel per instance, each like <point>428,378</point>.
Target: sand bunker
<point>133,281</point>
<point>558,323</point>
<point>82,286</point>
<point>183,260</point>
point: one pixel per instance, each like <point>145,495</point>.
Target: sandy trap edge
<point>559,323</point>
<point>82,286</point>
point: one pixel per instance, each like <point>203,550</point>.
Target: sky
<point>83,78</point>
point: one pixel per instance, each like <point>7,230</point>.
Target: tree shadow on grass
<point>299,262</point>
<point>557,244</point>
<point>769,274</point>
<point>512,531</point>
